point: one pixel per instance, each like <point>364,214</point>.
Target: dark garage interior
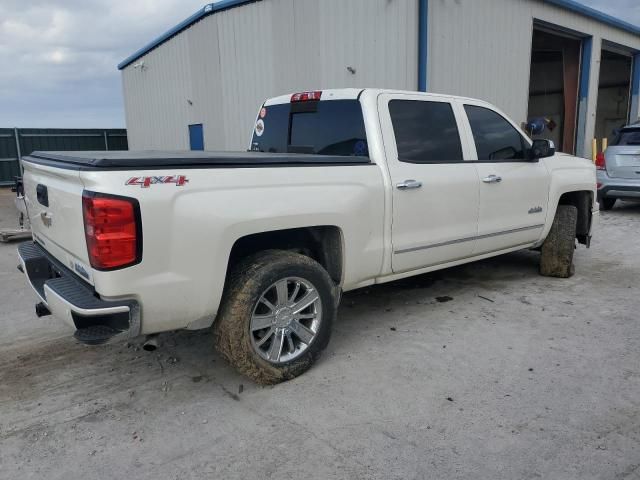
<point>613,92</point>
<point>553,87</point>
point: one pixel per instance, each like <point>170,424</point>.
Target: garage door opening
<point>614,91</point>
<point>553,88</point>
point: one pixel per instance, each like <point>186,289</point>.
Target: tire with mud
<point>606,203</point>
<point>556,257</point>
<point>276,315</point>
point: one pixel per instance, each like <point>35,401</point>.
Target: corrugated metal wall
<point>220,70</point>
<point>483,49</point>
<point>31,139</point>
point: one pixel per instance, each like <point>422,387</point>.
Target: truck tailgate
<point>54,203</point>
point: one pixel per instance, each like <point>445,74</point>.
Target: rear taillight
<point>112,229</point>
<point>306,96</point>
<point>600,161</point>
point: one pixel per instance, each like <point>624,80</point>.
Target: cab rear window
<point>330,127</point>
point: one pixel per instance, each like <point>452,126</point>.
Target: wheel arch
<point>583,201</point>
<point>324,244</point>
<point>572,182</point>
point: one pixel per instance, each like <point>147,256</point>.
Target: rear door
<point>435,192</point>
<point>513,190</point>
<point>623,155</point>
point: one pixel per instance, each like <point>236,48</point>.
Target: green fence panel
<point>53,139</point>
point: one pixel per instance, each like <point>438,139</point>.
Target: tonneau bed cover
<point>141,160</point>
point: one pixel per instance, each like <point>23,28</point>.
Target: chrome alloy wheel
<point>285,320</point>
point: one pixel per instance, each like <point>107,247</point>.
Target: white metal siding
<point>231,61</point>
<point>483,49</point>
<point>156,97</point>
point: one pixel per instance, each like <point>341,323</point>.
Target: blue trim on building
<point>205,11</point>
<point>581,9</point>
<point>585,67</point>
<point>583,95</point>
<point>635,89</point>
<point>423,44</point>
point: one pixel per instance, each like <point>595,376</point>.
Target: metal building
<point>200,84</point>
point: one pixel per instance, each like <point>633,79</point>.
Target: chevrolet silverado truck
<point>339,189</point>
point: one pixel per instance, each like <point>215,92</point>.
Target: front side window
<point>495,138</point>
<point>426,132</point>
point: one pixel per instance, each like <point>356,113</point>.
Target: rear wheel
<point>607,203</point>
<point>276,315</point>
<point>556,255</point>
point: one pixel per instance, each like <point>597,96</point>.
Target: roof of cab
<point>356,93</point>
<point>328,94</point>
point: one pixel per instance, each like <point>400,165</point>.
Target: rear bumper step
<point>96,321</point>
<point>96,335</point>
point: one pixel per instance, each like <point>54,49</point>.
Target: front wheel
<point>556,254</point>
<point>276,315</point>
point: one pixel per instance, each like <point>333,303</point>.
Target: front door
<point>435,192</point>
<point>196,137</point>
<point>513,189</point>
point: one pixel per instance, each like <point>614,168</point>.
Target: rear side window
<point>495,138</point>
<point>330,127</point>
<point>628,137</point>
<point>271,130</point>
<point>426,132</point>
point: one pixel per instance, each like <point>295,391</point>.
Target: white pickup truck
<point>340,189</point>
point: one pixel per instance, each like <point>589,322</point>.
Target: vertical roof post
<point>423,43</point>
<point>16,136</point>
<point>635,89</point>
<point>583,96</point>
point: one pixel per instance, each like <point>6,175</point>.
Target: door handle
<point>492,179</point>
<point>408,184</point>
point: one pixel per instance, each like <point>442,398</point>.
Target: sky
<point>58,57</point>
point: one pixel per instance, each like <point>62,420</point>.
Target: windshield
<point>629,136</point>
<point>330,127</point>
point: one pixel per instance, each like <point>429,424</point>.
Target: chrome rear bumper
<point>96,321</point>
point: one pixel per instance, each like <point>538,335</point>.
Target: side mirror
<point>542,148</point>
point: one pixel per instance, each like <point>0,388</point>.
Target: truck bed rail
<point>148,160</point>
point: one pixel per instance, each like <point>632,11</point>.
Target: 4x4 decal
<point>146,182</point>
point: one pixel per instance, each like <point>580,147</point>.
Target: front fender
<point>568,174</point>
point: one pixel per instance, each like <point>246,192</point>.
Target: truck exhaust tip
<point>42,310</point>
<point>150,344</point>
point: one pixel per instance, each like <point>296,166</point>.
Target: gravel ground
<point>486,371</point>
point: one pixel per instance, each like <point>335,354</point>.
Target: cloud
<point>627,10</point>
<point>58,58</point>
